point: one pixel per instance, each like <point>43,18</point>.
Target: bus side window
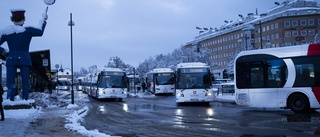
<point>305,71</point>
<point>276,73</point>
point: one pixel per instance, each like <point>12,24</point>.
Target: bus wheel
<point>298,103</point>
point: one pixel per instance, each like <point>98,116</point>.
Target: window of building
<point>310,22</point>
<point>287,33</point>
<point>263,29</point>
<point>295,33</point>
<point>277,35</point>
<point>311,32</point>
<point>276,25</point>
<point>272,36</point>
<point>295,43</point>
<point>287,24</point>
<point>272,26</point>
<point>294,23</point>
<point>303,33</point>
<point>267,28</point>
<point>303,22</point>
<point>287,44</point>
<point>318,21</point>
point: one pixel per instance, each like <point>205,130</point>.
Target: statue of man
<point>18,39</point>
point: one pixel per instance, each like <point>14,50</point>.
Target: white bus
<point>286,77</point>
<point>161,81</point>
<point>108,83</point>
<point>63,84</point>
<point>80,81</point>
<point>193,83</point>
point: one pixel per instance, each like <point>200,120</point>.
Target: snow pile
<point>73,123</point>
<point>43,100</point>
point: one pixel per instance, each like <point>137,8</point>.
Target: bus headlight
<point>180,95</point>
<point>208,93</point>
<point>100,92</point>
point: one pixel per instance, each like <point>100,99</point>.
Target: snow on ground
<point>43,101</point>
<point>22,118</point>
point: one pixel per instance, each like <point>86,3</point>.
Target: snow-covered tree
<point>93,68</point>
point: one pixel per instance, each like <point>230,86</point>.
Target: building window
<point>294,23</point>
<point>287,44</point>
<point>303,22</point>
<point>263,29</point>
<point>267,28</point>
<point>311,32</point>
<point>272,26</point>
<point>295,43</point>
<point>295,33</point>
<point>277,35</point>
<point>272,36</point>
<point>318,21</point>
<point>287,24</point>
<point>303,33</point>
<point>276,25</point>
<point>310,22</point>
<point>287,33</point>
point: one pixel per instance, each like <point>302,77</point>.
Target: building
<point>290,23</point>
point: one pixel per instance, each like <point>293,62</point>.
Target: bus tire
<point>298,103</point>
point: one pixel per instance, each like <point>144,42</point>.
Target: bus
<point>108,83</point>
<point>80,83</point>
<point>285,77</point>
<point>63,84</point>
<point>193,83</point>
<point>161,81</point>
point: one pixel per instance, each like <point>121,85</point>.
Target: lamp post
<point>71,23</point>
<point>134,80</point>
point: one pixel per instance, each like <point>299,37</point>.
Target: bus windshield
<point>113,81</point>
<point>64,83</point>
<point>193,80</point>
<point>164,78</point>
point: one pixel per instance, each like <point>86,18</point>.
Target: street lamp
<point>71,23</point>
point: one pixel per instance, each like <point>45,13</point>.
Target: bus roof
<point>291,51</point>
<point>161,70</point>
<point>191,64</point>
<point>112,69</point>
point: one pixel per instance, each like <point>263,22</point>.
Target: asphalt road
<point>160,116</point>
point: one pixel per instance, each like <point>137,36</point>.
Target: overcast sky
<point>130,29</point>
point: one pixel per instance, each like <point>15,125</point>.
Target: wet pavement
<point>161,116</point>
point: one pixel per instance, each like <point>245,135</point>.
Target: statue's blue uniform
<point>18,39</point>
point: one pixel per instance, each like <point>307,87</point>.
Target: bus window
<point>266,73</point>
<point>305,71</point>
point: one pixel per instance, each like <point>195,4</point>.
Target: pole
<point>72,92</point>
<point>134,80</point>
<point>1,73</point>
<point>246,38</point>
<point>260,35</point>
